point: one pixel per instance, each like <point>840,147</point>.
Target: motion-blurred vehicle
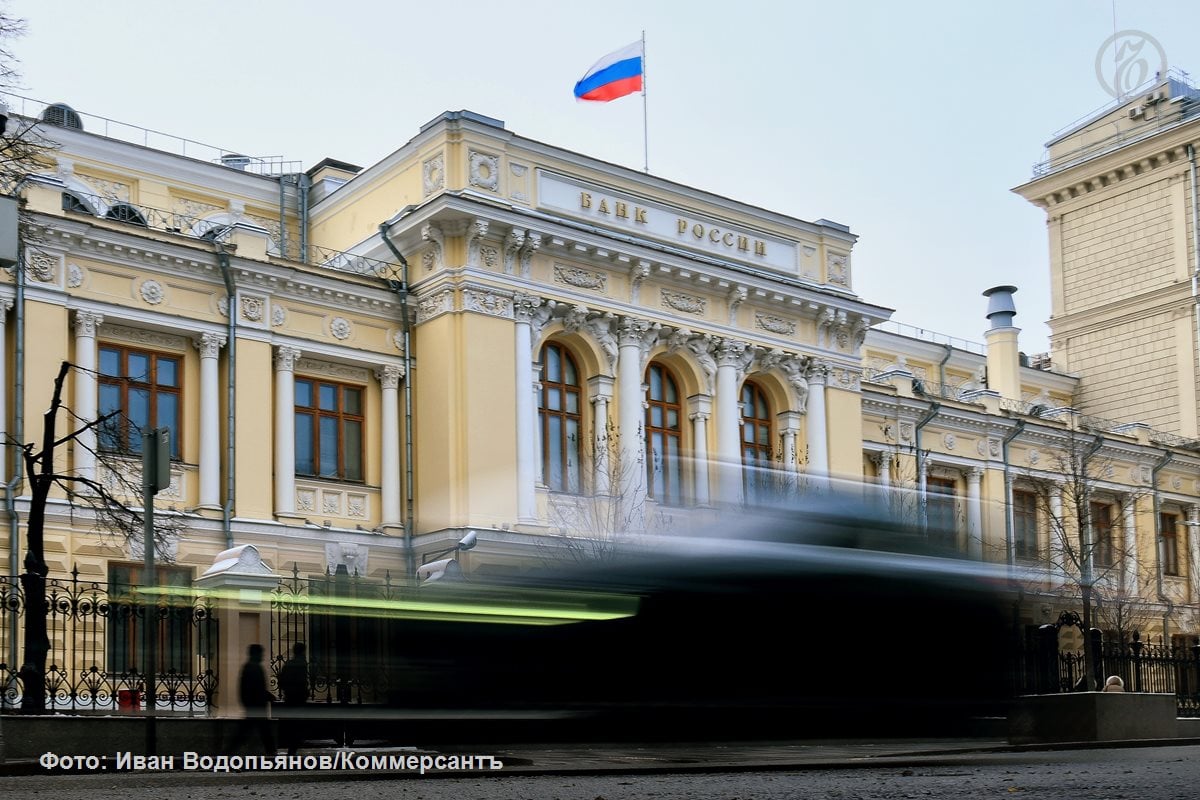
<point>827,619</point>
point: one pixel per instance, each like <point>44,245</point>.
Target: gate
<point>352,647</point>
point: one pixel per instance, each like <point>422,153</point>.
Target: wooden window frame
<point>1103,551</point>
<point>1025,520</point>
<point>342,416</point>
<point>129,627</point>
<point>758,456</point>
<point>560,482</point>
<point>662,495</point>
<point>124,383</point>
<point>1170,543</point>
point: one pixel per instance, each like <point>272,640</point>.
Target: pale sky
<point>908,121</point>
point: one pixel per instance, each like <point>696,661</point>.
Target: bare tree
<point>104,500</point>
<point>21,146</point>
<point>1087,556</point>
<point>601,509</point>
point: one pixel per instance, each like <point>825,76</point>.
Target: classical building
<point>483,337</point>
<point>1119,190</point>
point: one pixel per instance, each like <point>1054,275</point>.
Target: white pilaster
<point>600,389</point>
<point>209,345</point>
<point>86,391</point>
<point>389,489</point>
<point>1129,572</point>
<point>815,424</point>
<point>1058,565</point>
<point>729,423</point>
<point>285,429</point>
<point>883,461</point>
<point>789,426</point>
<point>524,307</point>
<point>631,416</point>
<point>974,514</point>
<point>699,410</point>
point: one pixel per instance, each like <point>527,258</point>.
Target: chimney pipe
<point>1003,355</point>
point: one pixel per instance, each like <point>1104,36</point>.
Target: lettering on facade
<point>613,208</point>
<point>715,235</point>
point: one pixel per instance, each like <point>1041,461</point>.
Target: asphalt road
<point>1144,773</point>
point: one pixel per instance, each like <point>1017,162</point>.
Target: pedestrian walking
<point>256,700</point>
<point>293,681</point>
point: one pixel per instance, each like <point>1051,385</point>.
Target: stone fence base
<point>1094,717</point>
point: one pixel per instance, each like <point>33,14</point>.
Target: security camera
<point>433,571</point>
<point>468,541</point>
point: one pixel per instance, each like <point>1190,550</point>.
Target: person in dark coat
<point>293,681</point>
<point>256,699</point>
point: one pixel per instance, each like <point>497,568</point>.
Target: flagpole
<point>645,124</point>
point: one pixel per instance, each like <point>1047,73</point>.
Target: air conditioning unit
<point>1157,96</point>
<point>1137,112</point>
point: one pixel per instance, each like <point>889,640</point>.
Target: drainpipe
<point>923,520</point>
<point>1158,576</point>
<point>282,217</point>
<point>304,183</point>
<point>942,370</point>
<point>1008,501</point>
<point>401,290</point>
<point>1191,151</point>
<point>231,395</point>
<point>18,436</point>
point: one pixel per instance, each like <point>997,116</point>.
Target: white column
<point>389,479</point>
<point>815,424</point>
<point>5,305</point>
<point>600,389</point>
<point>974,514</point>
<point>729,422</point>
<point>1129,575</point>
<point>86,391</point>
<point>524,307</point>
<point>209,345</point>
<point>699,409</point>
<point>789,425</point>
<point>285,429</point>
<point>1193,539</point>
<point>1058,565</point>
<point>884,462</point>
<point>631,416</point>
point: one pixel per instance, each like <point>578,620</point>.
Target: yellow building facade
<point>483,334</point>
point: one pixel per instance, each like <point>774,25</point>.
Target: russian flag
<point>616,75</point>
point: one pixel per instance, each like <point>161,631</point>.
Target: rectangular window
<point>940,511</point>
<point>329,430</point>
<point>144,388</point>
<point>1102,535</point>
<point>126,629</point>
<point>1168,526</point>
<point>1025,529</point>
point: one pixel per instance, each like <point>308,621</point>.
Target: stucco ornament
<point>434,174</point>
<point>340,328</point>
<point>74,276</point>
<point>485,171</point>
<point>278,316</point>
<point>253,308</point>
<point>152,292</point>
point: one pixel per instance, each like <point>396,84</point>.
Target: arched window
<point>756,440</point>
<point>123,212</point>
<point>561,418</point>
<point>664,467</point>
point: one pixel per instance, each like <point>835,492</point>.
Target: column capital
<point>699,405</point>
<point>974,474</point>
<point>600,387</point>
<point>881,458</point>
<point>86,322</point>
<point>818,374</point>
<point>209,344</point>
<point>286,358</point>
<point>525,306</point>
<point>389,375</point>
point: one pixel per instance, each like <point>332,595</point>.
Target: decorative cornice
<point>491,302</point>
<point>329,369</point>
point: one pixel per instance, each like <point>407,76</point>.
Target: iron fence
<point>96,635</point>
<point>1043,668</point>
